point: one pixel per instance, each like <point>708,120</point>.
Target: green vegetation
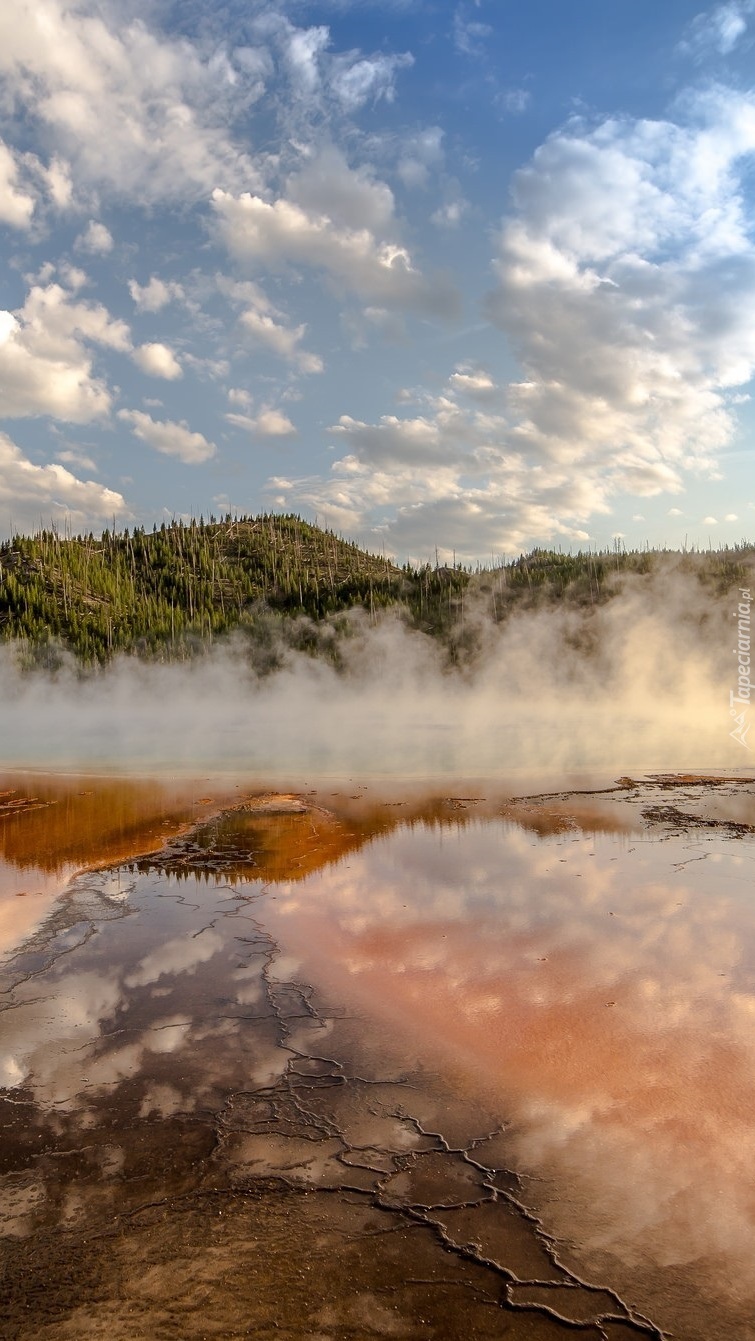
<point>182,585</point>
<point>170,592</point>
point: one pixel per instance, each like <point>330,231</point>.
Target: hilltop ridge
<point>171,591</point>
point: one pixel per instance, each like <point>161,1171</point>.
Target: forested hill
<point>172,591</point>
<point>170,587</point>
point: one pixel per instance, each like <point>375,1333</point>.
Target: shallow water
<point>354,1064</point>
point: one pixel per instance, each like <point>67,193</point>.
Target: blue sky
<point>476,276</point>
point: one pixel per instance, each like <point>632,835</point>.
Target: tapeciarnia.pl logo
<point>739,698</point>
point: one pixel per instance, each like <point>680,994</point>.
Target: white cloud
<point>265,325</point>
<point>182,955</point>
<point>421,155</point>
<point>213,369</point>
<point>449,215</point>
<point>474,382</point>
<point>59,183</point>
<point>155,294</point>
<point>356,82</point>
<point>282,340</point>
<point>45,364</point>
<point>719,29</point>
<point>626,288</point>
<point>469,34</point>
<point>96,239</point>
<point>29,491</point>
<point>157,360</point>
<point>169,438</point>
<point>319,79</point>
<point>389,325</point>
<point>282,232</point>
<point>144,115</point>
<point>303,50</point>
<point>430,439</point>
<point>73,276</point>
<point>350,197</point>
<point>73,456</point>
<point>16,206</point>
<point>515,100</point>
<point>266,424</point>
<point>444,476</point>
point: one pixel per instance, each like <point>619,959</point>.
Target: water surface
<point>350,1065</point>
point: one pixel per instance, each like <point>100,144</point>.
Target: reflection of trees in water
<point>53,822</point>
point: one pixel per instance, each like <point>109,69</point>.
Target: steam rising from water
<point>640,682</point>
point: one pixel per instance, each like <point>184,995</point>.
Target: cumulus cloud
<point>474,382</point>
<point>169,438</point>
<point>450,214</point>
<point>625,285</point>
<point>29,491</point>
<point>318,78</point>
<point>623,282</point>
<point>354,82</point>
<point>280,233</point>
<point>46,366</point>
<point>59,184</point>
<point>73,276</point>
<point>443,476</point>
<point>303,49</point>
<point>267,424</point>
<point>96,239</point>
<point>388,325</point>
<point>720,29</point>
<point>155,294</point>
<point>157,360</point>
<point>264,324</point>
<point>421,155</point>
<point>149,117</point>
<point>16,205</point>
<point>350,197</point>
<point>74,456</point>
<point>140,113</point>
<point>282,340</point>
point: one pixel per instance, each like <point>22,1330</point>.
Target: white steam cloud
<point>641,682</point>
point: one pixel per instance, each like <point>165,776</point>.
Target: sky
<point>461,277</point>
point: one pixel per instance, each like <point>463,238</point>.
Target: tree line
<point>172,591</point>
